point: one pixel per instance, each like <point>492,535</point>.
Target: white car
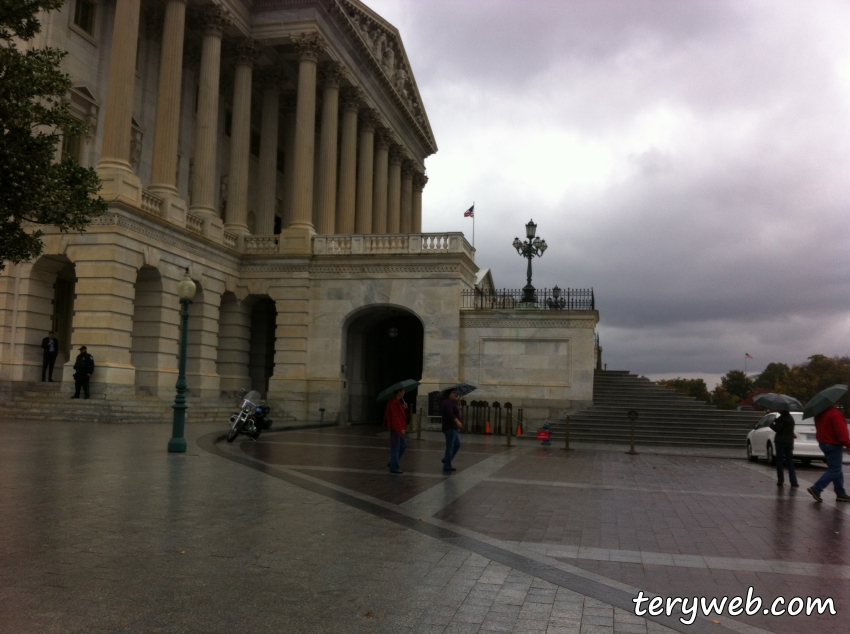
<point>760,440</point>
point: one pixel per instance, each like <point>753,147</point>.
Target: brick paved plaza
<point>305,531</point>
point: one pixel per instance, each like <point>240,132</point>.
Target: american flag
<point>747,355</point>
<point>470,213</point>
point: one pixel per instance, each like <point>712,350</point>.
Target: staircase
<point>45,402</point>
<point>666,417</point>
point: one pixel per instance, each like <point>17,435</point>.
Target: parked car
<point>760,440</point>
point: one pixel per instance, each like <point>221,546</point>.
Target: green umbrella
<point>822,400</point>
<point>407,385</point>
<point>779,402</point>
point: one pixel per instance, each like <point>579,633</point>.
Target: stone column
<point>394,191</point>
<point>419,182</point>
<point>167,129</point>
<point>326,200</point>
<point>245,51</point>
<point>215,20</point>
<point>406,196</point>
<point>297,238</point>
<point>270,80</point>
<point>365,169</point>
<point>289,102</point>
<point>351,102</point>
<point>114,168</point>
<point>383,139</point>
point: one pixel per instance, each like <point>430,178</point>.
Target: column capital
<point>383,138</point>
<point>369,119</point>
<point>332,73</point>
<point>215,19</point>
<point>419,181</point>
<point>309,46</point>
<point>245,51</point>
<point>407,167</point>
<point>351,98</point>
<point>397,154</point>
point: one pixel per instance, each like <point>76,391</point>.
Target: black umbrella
<point>462,389</point>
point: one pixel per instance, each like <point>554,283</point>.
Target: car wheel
<point>750,455</point>
<point>806,461</point>
<point>771,459</point>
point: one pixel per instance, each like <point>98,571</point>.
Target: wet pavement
<point>306,531</point>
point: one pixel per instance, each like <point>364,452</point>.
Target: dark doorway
<point>383,346</point>
<point>262,344</point>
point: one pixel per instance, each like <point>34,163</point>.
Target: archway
<point>263,325</point>
<point>246,343</point>
<point>148,322</point>
<point>384,345</point>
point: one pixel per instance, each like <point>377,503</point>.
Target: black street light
<point>529,249</point>
<point>556,302</point>
<point>186,291</point>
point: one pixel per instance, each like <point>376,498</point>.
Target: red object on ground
<point>519,430</point>
<point>542,435</point>
<point>487,428</point>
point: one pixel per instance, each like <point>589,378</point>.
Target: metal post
<point>567,435</point>
<point>177,444</point>
<point>633,415</point>
<point>419,425</point>
<point>510,421</point>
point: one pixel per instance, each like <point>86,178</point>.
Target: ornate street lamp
<point>556,302</point>
<point>177,444</point>
<point>532,247</point>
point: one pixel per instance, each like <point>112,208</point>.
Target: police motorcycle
<point>252,417</point>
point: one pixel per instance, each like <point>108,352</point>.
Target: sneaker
<point>449,469</point>
<point>397,472</point>
<point>815,494</point>
<point>75,397</point>
<point>780,484</point>
<point>842,498</point>
<point>795,485</point>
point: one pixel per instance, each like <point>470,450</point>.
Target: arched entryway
<point>383,345</point>
<point>246,343</point>
<point>146,354</point>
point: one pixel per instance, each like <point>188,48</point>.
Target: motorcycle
<point>252,417</point>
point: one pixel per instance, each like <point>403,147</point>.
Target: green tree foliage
<point>819,372</point>
<point>771,375</point>
<point>736,383</point>
<point>692,387</point>
<point>723,399</point>
<point>34,188</point>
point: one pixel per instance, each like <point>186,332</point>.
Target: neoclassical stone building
<point>276,149</point>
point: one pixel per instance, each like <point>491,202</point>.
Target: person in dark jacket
<point>50,345</point>
<point>83,369</point>
<point>451,427</point>
<point>783,425</point>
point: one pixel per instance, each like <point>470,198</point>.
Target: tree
<point>723,399</point>
<point>34,188</point>
<point>736,383</point>
<point>819,372</point>
<point>771,375</point>
<point>692,387</point>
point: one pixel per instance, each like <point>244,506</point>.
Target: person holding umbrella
<point>395,417</point>
<point>783,425</point>
<point>451,427</point>
<point>833,438</point>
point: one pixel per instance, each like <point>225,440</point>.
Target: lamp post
<point>530,248</point>
<point>177,444</point>
<point>556,302</point>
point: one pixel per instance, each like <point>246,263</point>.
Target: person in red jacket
<point>395,417</point>
<point>833,438</point>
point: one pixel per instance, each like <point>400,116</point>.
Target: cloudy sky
<point>688,160</point>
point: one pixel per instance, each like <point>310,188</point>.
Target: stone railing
<point>261,244</point>
<point>414,243</point>
<point>230,239</point>
<point>194,223</point>
<point>151,203</point>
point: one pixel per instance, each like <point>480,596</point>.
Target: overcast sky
<point>688,160</point>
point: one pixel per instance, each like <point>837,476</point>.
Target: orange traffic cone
<point>519,429</point>
<point>487,428</point>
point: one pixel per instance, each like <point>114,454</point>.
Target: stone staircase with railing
<point>666,417</point>
<point>45,402</point>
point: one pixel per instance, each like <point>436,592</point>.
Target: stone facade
<point>276,150</point>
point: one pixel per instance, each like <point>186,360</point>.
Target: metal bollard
<point>633,415</point>
<point>510,422</point>
<point>419,426</point>
<point>567,435</point>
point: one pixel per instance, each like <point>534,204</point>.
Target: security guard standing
<point>83,369</point>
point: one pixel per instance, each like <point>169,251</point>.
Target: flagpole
<point>745,365</point>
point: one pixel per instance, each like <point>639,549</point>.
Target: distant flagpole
<point>470,213</point>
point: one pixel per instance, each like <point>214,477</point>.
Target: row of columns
<point>377,189</point>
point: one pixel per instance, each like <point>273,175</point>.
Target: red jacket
<point>395,416</point>
<point>832,428</point>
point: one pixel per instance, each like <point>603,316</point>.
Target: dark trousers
<point>81,381</point>
<point>398,444</point>
<point>452,447</point>
<point>785,456</point>
<point>834,469</point>
<point>47,366</point>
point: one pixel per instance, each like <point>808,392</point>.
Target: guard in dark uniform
<point>83,369</point>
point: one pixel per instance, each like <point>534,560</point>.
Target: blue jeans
<point>398,443</point>
<point>452,447</point>
<point>785,454</point>
<point>834,469</point>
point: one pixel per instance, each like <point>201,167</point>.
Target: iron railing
<point>544,299</point>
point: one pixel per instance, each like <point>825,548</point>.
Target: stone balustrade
<point>230,239</point>
<point>261,244</point>
<point>194,223</point>
<point>414,243</point>
<point>151,203</point>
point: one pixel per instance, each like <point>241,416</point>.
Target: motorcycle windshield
<point>250,399</point>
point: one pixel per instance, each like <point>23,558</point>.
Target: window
<point>72,147</point>
<point>84,14</point>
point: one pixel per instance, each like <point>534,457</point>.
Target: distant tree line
<point>802,381</point>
